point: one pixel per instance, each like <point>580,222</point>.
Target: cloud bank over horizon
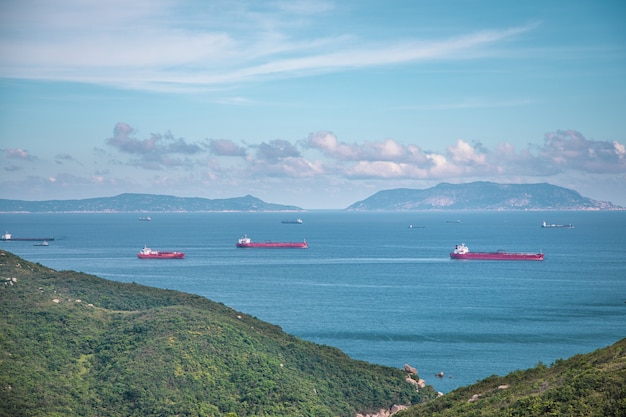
<point>156,161</point>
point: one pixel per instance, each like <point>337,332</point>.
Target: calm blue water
<point>371,286</point>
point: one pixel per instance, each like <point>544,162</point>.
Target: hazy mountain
<point>143,203</point>
<point>482,196</point>
<point>470,196</point>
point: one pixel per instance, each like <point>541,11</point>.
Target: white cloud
<point>620,150</point>
<point>328,144</point>
<point>323,155</point>
<point>126,161</point>
<point>385,170</point>
<point>18,153</point>
<point>570,150</point>
<point>462,152</point>
<point>562,151</point>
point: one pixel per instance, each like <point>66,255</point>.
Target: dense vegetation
<point>73,344</point>
<point>584,385</point>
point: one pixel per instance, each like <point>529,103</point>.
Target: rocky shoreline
<point>412,377</point>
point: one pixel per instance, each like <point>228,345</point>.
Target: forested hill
<point>482,196</point>
<point>73,344</point>
<point>143,203</point>
<point>590,385</point>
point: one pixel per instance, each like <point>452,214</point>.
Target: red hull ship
<point>462,252</point>
<point>246,242</point>
<point>147,253</point>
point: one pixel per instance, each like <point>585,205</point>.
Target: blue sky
<point>313,103</point>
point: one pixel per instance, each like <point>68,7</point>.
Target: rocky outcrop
<point>385,413</point>
<point>476,397</point>
<point>409,369</point>
<point>412,377</point>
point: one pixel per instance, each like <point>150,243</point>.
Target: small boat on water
<point>246,242</point>
<point>145,219</point>
<point>147,253</point>
<point>44,243</point>
<point>462,252</point>
<point>7,236</point>
<point>564,226</point>
<point>294,221</point>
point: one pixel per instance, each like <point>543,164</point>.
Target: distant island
<point>481,195</point>
<point>471,196</point>
<point>141,203</point>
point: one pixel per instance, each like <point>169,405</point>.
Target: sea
<point>379,286</point>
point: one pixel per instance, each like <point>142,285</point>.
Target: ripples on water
<point>370,285</point>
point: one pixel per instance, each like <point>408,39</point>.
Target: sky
<point>317,104</point>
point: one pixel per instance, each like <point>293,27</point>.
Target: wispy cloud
<point>137,47</point>
<point>471,103</point>
<point>18,153</point>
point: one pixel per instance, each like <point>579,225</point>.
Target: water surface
<point>370,285</point>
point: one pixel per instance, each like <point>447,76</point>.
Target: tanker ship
<point>246,242</point>
<point>462,252</point>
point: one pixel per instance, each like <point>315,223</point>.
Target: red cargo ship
<point>462,252</point>
<point>147,253</point>
<point>246,242</point>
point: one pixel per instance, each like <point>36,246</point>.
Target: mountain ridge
<point>141,203</point>
<point>479,195</point>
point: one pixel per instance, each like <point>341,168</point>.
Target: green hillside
<point>590,385</point>
<point>73,344</point>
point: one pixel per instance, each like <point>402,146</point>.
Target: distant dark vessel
<point>563,226</point>
<point>7,236</point>
<point>295,221</point>
<point>246,242</point>
<point>462,252</point>
<point>453,221</point>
